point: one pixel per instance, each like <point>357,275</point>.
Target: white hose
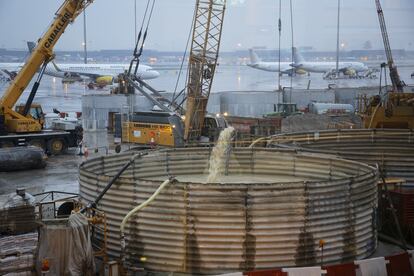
<point>257,141</point>
<point>138,208</point>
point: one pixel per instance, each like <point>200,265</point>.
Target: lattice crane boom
<point>395,77</point>
<point>205,47</point>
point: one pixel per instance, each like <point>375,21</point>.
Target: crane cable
<point>175,97</point>
<point>293,45</point>
<point>139,46</point>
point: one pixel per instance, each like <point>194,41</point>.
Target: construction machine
<point>175,125</point>
<point>24,125</point>
<point>393,109</point>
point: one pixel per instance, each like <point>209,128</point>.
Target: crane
<point>397,84</point>
<point>42,54</point>
<point>205,47</point>
<point>25,120</point>
<point>395,109</point>
<point>167,128</point>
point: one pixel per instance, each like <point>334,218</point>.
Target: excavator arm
<point>42,54</point>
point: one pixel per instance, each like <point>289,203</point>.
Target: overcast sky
<point>248,23</point>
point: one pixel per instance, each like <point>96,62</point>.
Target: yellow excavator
<point>24,125</point>
<point>394,109</point>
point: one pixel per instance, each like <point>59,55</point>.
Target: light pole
<point>280,36</point>
<point>85,57</point>
<point>337,39</point>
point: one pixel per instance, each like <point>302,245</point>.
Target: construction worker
<point>152,140</point>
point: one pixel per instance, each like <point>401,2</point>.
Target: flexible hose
<point>136,209</point>
<point>257,141</point>
<point>373,115</point>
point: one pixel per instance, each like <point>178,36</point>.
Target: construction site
<point>136,180</point>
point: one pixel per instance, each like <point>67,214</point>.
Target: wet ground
<point>60,174</point>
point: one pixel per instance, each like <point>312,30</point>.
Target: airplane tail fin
<point>31,45</point>
<point>254,58</point>
<point>297,57</point>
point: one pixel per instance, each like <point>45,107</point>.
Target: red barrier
<point>271,272</point>
<point>341,269</point>
<point>399,265</point>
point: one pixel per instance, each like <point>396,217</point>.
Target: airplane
<point>100,75</point>
<point>328,68</point>
<point>285,67</point>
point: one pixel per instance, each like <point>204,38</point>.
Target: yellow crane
<point>205,47</point>
<point>28,118</point>
<point>395,109</point>
<point>167,128</point>
<point>42,54</point>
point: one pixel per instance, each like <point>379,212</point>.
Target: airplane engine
<point>300,71</point>
<point>69,77</point>
<point>104,80</point>
<point>350,72</point>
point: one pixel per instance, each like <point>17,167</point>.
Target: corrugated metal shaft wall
<point>392,150</point>
<point>216,228</point>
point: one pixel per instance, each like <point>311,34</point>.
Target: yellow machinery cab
<point>157,128</point>
<point>35,112</point>
<point>395,111</point>
<point>163,128</point>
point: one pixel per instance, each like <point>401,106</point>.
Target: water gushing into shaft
<point>219,154</point>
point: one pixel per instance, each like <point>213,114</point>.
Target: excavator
<point>174,125</point>
<point>394,109</point>
<point>25,124</point>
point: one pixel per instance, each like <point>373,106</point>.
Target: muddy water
<point>219,155</point>
<point>236,178</point>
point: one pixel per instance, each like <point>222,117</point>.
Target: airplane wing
<point>296,65</point>
<point>348,70</point>
<point>74,73</point>
<point>9,71</point>
<point>6,75</point>
<point>294,71</point>
<point>92,76</point>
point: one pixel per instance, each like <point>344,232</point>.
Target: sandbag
<point>21,158</point>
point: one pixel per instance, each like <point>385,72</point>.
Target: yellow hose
<point>145,203</point>
<point>257,141</point>
<point>373,115</point>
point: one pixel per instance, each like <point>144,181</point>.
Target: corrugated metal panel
<point>217,228</point>
<point>392,149</point>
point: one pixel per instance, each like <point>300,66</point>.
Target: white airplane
<point>99,74</point>
<point>328,68</point>
<point>285,67</point>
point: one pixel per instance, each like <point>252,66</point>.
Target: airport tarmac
<point>67,97</point>
<point>60,174</point>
